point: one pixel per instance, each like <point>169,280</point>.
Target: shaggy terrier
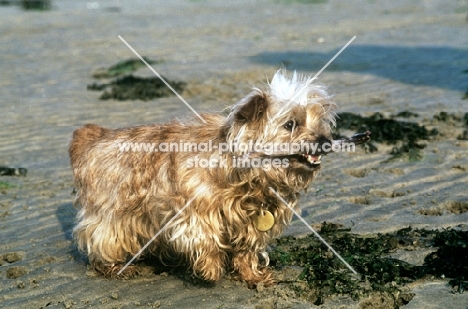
<point>131,183</point>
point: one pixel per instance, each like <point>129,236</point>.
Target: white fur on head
<point>283,94</point>
<point>299,90</point>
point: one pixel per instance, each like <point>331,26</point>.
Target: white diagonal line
<point>334,57</point>
<point>321,70</point>
<point>312,229</point>
<point>158,233</point>
<point>162,79</point>
<point>310,80</point>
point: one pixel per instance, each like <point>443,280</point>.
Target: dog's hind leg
<point>108,242</point>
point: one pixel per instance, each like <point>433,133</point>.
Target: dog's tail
<point>83,139</point>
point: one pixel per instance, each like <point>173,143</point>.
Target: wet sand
<point>407,56</point>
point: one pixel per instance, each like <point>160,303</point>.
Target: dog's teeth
<point>313,159</point>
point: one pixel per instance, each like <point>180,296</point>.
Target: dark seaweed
<point>12,171</point>
<point>133,88</point>
<point>369,256</point>
<point>123,67</point>
<point>453,118</point>
<point>405,135</point>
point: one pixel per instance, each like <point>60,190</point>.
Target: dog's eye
<point>290,125</point>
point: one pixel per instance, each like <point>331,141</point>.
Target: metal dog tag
<point>264,221</point>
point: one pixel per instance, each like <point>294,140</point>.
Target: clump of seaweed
<point>370,258</point>
<point>39,5</point>
<point>123,67</point>
<point>454,119</point>
<point>450,260</point>
<point>464,135</point>
<point>405,135</point>
<point>12,171</point>
<point>131,87</point>
<point>126,86</point>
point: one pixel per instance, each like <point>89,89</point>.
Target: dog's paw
<point>254,278</point>
<point>266,281</point>
<point>112,271</point>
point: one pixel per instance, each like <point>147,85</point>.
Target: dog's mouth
<point>311,161</point>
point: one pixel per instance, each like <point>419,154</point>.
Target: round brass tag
<point>264,222</point>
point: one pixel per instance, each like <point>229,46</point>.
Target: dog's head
<point>291,120</point>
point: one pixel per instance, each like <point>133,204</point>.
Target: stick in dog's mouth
<point>334,145</point>
<point>314,158</point>
<point>356,139</point>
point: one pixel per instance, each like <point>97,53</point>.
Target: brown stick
<point>356,139</point>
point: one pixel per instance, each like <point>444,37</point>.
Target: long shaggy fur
<point>125,197</point>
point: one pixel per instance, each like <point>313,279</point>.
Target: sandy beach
<point>407,56</point>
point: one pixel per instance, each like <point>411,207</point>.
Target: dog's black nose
<point>323,144</point>
<point>322,140</point>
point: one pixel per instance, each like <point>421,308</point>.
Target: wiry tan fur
<point>125,198</point>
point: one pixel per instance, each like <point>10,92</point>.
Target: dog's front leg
<point>246,265</point>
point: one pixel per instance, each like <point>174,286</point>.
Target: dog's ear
<point>253,109</point>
